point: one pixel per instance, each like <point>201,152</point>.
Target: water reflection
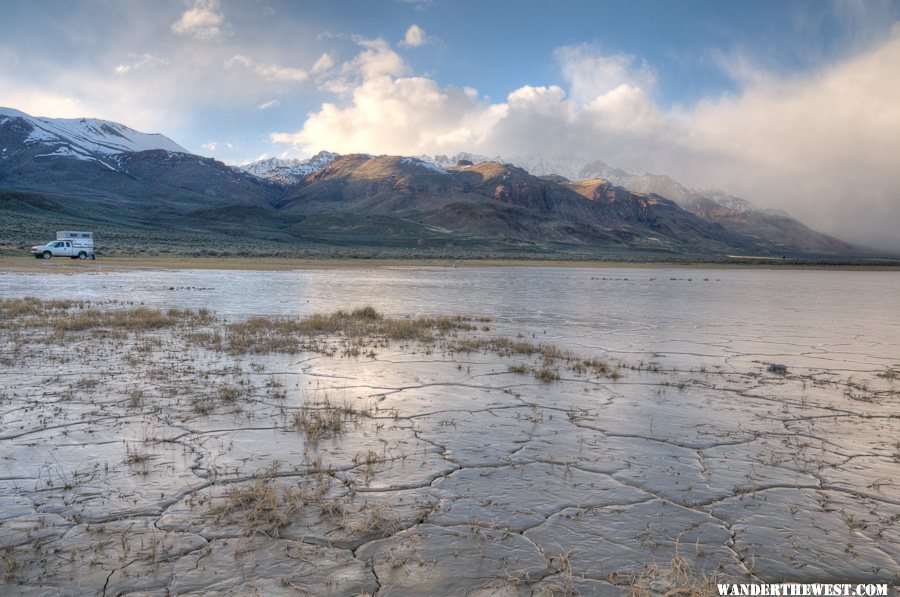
<point>811,318</point>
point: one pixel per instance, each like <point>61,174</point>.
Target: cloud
<point>590,73</point>
<point>388,111</point>
<point>269,104</point>
<point>406,115</point>
<point>821,145</point>
<point>270,72</point>
<point>203,20</point>
<point>324,63</point>
<point>376,60</point>
<point>215,145</point>
<point>419,5</point>
<point>415,37</point>
<point>138,62</point>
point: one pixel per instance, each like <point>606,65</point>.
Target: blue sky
<point>721,93</point>
<point>494,47</point>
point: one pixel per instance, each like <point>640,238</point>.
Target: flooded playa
<point>483,431</point>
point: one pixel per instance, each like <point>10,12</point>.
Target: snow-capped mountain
<point>79,138</point>
<point>289,171</point>
<point>666,186</point>
<point>541,164</point>
<point>445,162</point>
<point>426,164</point>
<point>96,166</point>
<point>574,167</point>
<point>730,201</point>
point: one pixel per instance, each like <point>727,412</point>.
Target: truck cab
<point>74,244</point>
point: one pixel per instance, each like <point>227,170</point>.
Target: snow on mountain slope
<point>102,141</point>
<point>428,165</point>
<point>574,167</point>
<point>578,168</point>
<point>731,202</point>
<point>539,164</point>
<point>640,183</point>
<point>89,137</point>
<point>289,171</point>
<point>444,161</point>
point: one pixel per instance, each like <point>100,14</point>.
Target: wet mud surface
<point>163,452</point>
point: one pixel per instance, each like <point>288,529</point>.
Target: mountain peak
<point>12,113</point>
<point>81,138</point>
<point>289,171</point>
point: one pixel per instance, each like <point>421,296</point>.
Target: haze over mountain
<point>81,171</point>
<point>775,227</point>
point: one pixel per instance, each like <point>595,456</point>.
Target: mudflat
<point>447,431</point>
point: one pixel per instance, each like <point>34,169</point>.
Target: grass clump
<point>324,419</point>
<point>31,306</point>
<point>133,319</point>
<point>357,329</point>
<point>64,316</point>
<point>546,374</point>
<point>264,507</point>
<point>679,579</point>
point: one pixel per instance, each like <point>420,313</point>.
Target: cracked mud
<point>151,447</point>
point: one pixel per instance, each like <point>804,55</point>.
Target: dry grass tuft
<point>63,316</point>
<point>263,507</point>
<point>133,319</point>
<point>34,307</point>
<point>9,563</point>
<point>324,419</point>
<point>677,577</point>
<point>359,328</point>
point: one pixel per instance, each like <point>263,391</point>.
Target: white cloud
<point>419,5</point>
<point>376,60</point>
<point>270,72</point>
<point>324,63</point>
<point>40,102</point>
<point>140,61</point>
<point>204,20</point>
<point>822,145</point>
<point>269,104</point>
<point>589,73</point>
<point>415,37</point>
<point>214,146</point>
<point>396,115</point>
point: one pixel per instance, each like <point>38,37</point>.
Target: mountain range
<point>142,190</point>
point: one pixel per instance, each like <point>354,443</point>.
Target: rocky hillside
<point>96,171</point>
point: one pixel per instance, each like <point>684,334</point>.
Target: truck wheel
<point>47,254</point>
<point>82,255</point>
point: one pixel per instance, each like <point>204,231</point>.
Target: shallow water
<point>483,480</point>
<point>811,317</point>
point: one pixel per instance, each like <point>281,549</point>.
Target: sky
<point>790,104</point>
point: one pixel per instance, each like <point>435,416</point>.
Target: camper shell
<point>76,244</point>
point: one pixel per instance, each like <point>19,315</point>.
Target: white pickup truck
<point>68,243</point>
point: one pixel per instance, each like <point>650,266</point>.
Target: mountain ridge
<point>86,138</point>
<point>474,204</point>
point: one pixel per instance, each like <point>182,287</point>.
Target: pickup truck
<point>77,245</point>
